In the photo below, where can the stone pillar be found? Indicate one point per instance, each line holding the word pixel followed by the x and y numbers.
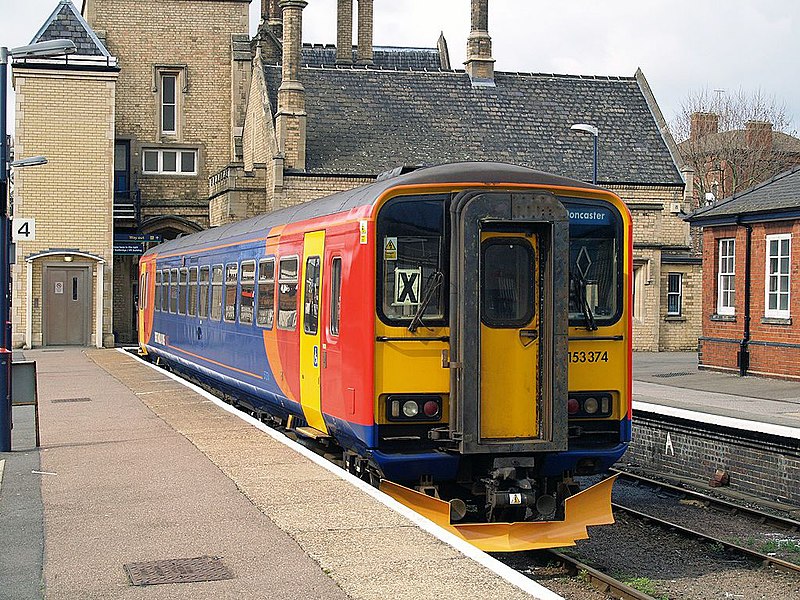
pixel 290 121
pixel 274 19
pixel 344 32
pixel 364 51
pixel 479 63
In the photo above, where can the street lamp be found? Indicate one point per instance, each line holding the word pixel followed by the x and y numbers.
pixel 39 50
pixel 594 131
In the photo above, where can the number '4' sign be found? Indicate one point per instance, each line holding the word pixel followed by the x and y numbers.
pixel 23 230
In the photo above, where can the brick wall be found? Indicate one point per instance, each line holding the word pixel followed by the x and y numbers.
pixel 774 343
pixel 758 464
pixel 67 116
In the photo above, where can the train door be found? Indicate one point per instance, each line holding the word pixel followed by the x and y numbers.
pixel 508 322
pixel 509 335
pixel 310 351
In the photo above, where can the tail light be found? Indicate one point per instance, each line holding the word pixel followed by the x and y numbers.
pixel 418 407
pixel 589 404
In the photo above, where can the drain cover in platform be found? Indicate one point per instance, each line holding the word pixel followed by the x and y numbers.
pixel 56 400
pixel 177 570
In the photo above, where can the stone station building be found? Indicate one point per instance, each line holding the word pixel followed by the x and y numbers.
pixel 206 126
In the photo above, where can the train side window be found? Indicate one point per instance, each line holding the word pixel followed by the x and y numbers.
pixel 157 303
pixel 202 308
pixel 183 291
pixel 231 280
pixel 311 308
pixel 247 292
pixel 216 292
pixel 173 291
pixel 336 294
pixel 266 293
pixel 287 293
pixel 193 292
pixel 165 292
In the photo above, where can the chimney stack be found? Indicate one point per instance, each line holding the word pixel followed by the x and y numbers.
pixel 274 19
pixel 702 124
pixel 479 63
pixel 364 50
pixel 290 121
pixel 344 32
pixel 758 135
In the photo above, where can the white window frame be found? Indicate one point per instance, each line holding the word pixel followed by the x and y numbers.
pixel 777 276
pixel 178 161
pixel 164 104
pixel 726 306
pixel 678 293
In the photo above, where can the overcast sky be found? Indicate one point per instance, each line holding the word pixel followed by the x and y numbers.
pixel 682 46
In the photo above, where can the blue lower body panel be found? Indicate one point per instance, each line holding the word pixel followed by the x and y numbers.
pixel 407 467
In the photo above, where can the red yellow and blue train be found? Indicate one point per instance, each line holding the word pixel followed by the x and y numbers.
pixel 461 332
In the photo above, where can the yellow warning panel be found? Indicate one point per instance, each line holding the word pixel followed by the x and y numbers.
pixel 592 506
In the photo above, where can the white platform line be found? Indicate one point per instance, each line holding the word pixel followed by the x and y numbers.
pixel 733 422
pixel 2 468
pixel 515 578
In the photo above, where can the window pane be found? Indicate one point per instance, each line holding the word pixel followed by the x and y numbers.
pixel 168 89
pixel 311 307
pixel 231 279
pixel 336 294
pixel 247 292
pixel 193 291
pixel 169 158
pixel 151 161
pixel 187 162
pixel 173 291
pixel 183 292
pixel 157 304
pixel 168 119
pixel 287 294
pixel 216 292
pixel 507 284
pixel 203 305
pixel 266 293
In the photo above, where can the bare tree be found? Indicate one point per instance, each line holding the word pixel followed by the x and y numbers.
pixel 733 141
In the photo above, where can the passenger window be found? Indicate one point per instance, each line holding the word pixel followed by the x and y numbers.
pixel 165 292
pixel 266 293
pixel 193 292
pixel 216 292
pixel 202 311
pixel 311 308
pixel 247 292
pixel 336 294
pixel 287 293
pixel 173 291
pixel 507 296
pixel 157 303
pixel 231 279
pixel 183 291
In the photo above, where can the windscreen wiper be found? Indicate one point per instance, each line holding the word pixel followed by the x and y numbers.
pixel 588 314
pixel 434 283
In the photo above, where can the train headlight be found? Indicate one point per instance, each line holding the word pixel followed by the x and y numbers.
pixel 431 408
pixel 410 409
pixel 573 406
pixel 590 405
pixel 595 405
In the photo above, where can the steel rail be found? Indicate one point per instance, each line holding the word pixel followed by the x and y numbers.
pixel 763 558
pixel 732 508
pixel 599 580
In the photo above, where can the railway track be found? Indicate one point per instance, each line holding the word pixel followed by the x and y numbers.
pixel 599 580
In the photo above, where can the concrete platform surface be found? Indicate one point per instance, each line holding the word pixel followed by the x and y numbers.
pixel 135 467
pixel 673 379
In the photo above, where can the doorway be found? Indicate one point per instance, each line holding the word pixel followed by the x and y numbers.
pixel 66 296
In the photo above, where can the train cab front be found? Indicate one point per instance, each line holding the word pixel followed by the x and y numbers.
pixel 477 427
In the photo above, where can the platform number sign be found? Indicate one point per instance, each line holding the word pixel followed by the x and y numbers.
pixel 406 286
pixel 24 230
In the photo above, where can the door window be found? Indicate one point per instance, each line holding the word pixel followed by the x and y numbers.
pixel 507 290
pixel 311 308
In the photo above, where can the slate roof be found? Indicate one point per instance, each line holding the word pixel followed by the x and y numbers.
pixel 387 57
pixel 66 22
pixel 365 121
pixel 737 138
pixel 781 194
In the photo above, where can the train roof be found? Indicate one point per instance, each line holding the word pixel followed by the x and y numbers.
pixel 455 173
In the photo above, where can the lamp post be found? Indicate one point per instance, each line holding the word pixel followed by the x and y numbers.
pixel 41 50
pixel 594 131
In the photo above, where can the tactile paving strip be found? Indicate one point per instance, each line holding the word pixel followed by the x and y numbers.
pixel 674 374
pixel 178 570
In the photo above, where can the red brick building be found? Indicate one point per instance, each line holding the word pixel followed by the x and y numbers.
pixel 751 280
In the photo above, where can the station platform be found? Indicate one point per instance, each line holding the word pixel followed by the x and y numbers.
pixel 135 467
pixel 671 383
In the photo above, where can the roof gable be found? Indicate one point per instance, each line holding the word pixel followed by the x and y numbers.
pixel 67 23
pixel 364 121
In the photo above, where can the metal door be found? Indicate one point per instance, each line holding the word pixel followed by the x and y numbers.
pixel 66 306
pixel 509 336
pixel 310 351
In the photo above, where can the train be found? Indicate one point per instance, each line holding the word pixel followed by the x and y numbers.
pixel 460 333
